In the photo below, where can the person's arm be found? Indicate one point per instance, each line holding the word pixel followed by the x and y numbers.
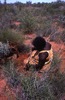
pixel 42 59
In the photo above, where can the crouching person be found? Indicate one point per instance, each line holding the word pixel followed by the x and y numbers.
pixel 41 56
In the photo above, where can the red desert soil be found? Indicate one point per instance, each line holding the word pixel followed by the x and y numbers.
pixel 20 60
pixel 5 90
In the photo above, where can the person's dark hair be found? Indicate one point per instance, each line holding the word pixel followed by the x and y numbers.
pixel 39 43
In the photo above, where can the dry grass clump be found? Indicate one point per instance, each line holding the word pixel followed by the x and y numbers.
pixel 31 87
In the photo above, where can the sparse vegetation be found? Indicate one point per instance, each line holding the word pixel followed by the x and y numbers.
pixel 49 87
pixel 27 22
pixel 12 37
pixel 46 19
pixel 63 36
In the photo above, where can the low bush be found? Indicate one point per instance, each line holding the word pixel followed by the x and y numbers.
pixel 35 88
pixel 11 73
pixel 12 37
pixel 58 84
pixel 27 23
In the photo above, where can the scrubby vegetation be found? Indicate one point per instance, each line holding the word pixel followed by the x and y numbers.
pixel 51 85
pixel 11 36
pixel 45 19
pixel 40 18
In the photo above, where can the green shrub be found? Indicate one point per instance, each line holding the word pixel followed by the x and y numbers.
pixel 12 37
pixel 35 88
pixel 27 23
pixel 55 78
pixel 58 84
pixel 43 26
pixel 11 73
